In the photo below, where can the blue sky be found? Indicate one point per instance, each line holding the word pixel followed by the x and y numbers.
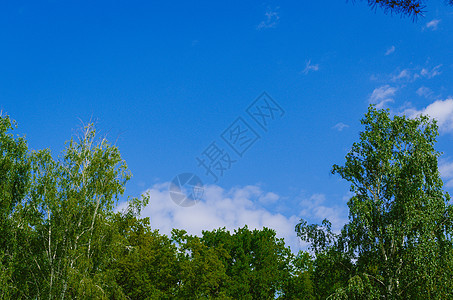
pixel 165 79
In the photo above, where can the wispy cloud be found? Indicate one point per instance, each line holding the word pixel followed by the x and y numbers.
pixel 405 74
pixel 309 67
pixel 390 50
pixel 433 24
pixel 423 91
pixel 271 20
pixel 441 110
pixel 409 75
pixel 382 95
pixel 431 73
pixel 340 126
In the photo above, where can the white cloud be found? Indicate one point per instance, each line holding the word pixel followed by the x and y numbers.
pixel 423 91
pixel 433 24
pixel 340 126
pixel 235 208
pixel 446 171
pixel 390 50
pixel 220 208
pixel 271 21
pixel 382 95
pixel 404 74
pixel 441 110
pixel 314 207
pixel 409 75
pixel 431 73
pixel 268 198
pixel 309 67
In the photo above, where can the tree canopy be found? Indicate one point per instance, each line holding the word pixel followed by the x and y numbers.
pixel 397 244
pixel 62 235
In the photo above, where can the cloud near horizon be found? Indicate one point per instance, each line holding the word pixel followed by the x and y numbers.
pixel 446 171
pixel 236 208
pixel 441 110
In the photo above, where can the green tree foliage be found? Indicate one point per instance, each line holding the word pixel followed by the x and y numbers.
pixel 201 272
pixel 58 234
pixel 62 238
pixel 14 182
pixel 299 285
pixel 220 265
pixel 72 200
pixel 257 263
pixel 397 243
pixel 147 266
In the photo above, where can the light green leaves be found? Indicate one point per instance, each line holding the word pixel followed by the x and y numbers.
pixel 400 219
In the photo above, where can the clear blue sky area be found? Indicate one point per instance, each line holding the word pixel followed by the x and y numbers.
pixel 165 79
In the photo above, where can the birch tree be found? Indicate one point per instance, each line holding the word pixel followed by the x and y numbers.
pixel 14 182
pixel 69 212
pixel 400 220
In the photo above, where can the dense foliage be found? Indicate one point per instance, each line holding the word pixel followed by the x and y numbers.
pixel 61 235
pixel 398 242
